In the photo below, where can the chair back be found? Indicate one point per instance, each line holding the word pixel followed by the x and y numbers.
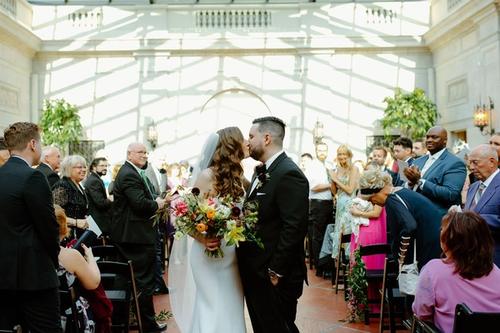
pixel 107 253
pixel 368 250
pixel 117 279
pixel 468 321
pixel 67 299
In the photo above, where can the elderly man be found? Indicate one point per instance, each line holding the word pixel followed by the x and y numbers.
pixel 50 163
pixel 133 230
pixel 4 152
pixel 483 196
pixel 440 176
pixel 29 238
pixel 495 143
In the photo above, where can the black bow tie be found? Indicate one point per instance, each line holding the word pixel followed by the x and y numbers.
pixel 260 169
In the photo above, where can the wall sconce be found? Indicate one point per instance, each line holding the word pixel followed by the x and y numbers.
pixel 483 117
pixel 318 132
pixel 152 135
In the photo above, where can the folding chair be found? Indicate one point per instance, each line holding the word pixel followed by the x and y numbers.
pixel 118 281
pixel 373 275
pixel 341 263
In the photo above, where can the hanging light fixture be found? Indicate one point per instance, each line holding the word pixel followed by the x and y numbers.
pixel 482 117
pixel 152 135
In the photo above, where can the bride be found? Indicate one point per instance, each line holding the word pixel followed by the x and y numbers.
pixel 206 293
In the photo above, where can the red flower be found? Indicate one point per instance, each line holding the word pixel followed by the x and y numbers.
pixel 181 208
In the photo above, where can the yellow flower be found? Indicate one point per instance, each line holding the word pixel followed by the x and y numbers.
pixel 210 213
pixel 234 236
pixel 201 227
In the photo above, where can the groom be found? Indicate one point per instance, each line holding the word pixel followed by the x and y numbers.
pixel 273 277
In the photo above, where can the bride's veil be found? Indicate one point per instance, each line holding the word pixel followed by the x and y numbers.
pixel 180 278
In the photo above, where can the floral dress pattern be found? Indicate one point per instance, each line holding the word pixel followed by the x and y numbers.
pixel 342 216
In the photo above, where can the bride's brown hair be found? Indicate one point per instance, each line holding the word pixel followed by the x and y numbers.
pixel 226 163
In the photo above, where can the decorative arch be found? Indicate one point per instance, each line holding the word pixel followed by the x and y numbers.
pixel 235 91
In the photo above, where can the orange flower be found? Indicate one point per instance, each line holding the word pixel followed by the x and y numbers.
pixel 211 214
pixel 201 227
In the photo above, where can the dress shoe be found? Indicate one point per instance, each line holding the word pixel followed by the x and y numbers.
pixel 160 327
pixel 160 291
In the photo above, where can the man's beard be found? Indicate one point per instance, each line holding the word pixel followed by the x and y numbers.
pixel 256 153
pixel 102 173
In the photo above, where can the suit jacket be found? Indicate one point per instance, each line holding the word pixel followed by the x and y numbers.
pixel 29 232
pixel 489 209
pixel 444 180
pixel 133 208
pixel 99 204
pixel 282 225
pixel 419 218
pixel 52 177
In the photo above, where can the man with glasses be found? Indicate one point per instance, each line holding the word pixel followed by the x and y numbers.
pixel 133 229
pixel 99 204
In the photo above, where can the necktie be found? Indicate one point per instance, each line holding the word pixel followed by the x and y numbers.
pixel 146 181
pixel 479 193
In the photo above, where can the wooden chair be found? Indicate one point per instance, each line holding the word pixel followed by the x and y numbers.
pixel 341 263
pixel 373 275
pixel 69 310
pixel 118 281
pixel 107 253
pixel 392 302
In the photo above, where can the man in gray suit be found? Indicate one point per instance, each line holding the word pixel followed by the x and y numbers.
pixel 483 196
pixel 439 175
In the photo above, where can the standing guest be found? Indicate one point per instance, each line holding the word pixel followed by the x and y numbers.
pixel 133 229
pixel 4 152
pixel 114 173
pixel 344 184
pixel 483 196
pixel 379 156
pixel 70 195
pixel 465 275
pixel 305 161
pixel 419 149
pixel 320 202
pixel 495 143
pixel 29 238
pixel 402 148
pixel 273 278
pixel 439 176
pixel 99 204
pixel 409 214
pixel 50 163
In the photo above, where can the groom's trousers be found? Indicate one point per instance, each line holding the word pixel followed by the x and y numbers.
pixel 272 309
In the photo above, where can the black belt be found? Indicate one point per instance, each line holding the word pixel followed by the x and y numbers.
pixel 320 200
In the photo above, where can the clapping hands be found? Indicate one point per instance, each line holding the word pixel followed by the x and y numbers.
pixel 413 175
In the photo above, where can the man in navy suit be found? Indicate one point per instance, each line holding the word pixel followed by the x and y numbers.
pixel 29 238
pixel 440 175
pixel 483 196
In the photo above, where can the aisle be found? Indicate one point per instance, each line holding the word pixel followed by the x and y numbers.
pixel 319 311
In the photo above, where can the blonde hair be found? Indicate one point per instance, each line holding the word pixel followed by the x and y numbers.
pixel 114 171
pixel 69 162
pixel 374 178
pixel 345 148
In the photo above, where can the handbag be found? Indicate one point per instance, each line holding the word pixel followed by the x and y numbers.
pixel 408 275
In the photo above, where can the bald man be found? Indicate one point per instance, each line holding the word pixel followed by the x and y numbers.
pixel 495 143
pixel 50 163
pixel 483 196
pixel 439 175
pixel 132 228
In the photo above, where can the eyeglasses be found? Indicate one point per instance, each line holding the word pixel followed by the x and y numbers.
pixel 79 167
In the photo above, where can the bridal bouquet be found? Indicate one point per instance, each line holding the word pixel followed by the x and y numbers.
pixel 218 217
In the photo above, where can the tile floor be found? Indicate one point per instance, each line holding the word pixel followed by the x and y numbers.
pixel 319 311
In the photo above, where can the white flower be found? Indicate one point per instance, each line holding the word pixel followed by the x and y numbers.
pixel 178 235
pixel 231 224
pixel 223 212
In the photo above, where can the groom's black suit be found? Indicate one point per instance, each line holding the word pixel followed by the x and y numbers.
pixel 282 227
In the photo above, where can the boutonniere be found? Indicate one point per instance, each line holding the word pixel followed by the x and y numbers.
pixel 262 175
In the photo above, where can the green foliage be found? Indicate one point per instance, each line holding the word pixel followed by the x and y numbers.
pixel 60 123
pixel 412 113
pixel 163 315
pixel 357 300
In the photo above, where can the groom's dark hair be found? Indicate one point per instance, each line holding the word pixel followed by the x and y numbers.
pixel 273 125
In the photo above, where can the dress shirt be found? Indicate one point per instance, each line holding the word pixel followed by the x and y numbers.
pixel 317 174
pixel 430 161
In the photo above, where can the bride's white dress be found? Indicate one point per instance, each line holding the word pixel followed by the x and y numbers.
pixel 218 305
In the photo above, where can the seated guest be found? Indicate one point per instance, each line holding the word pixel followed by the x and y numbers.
pixel 74 266
pixel 409 214
pixel 69 194
pixel 465 275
